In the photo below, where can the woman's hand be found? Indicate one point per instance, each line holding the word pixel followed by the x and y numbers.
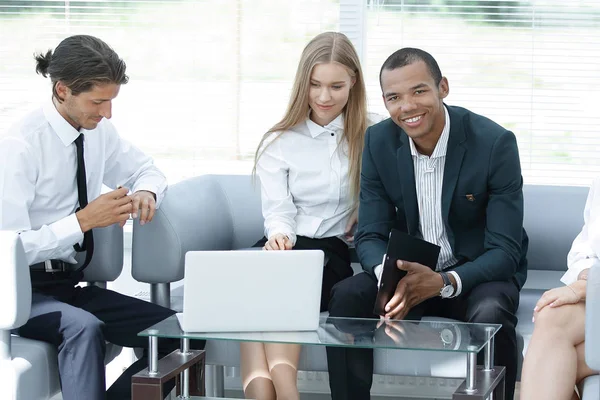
pixel 572 294
pixel 278 241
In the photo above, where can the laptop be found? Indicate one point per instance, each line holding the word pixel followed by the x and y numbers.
pixel 252 290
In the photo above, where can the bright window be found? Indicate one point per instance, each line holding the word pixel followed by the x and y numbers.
pixel 208 78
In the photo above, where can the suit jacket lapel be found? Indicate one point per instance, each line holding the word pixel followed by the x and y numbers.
pixel 454 158
pixel 406 171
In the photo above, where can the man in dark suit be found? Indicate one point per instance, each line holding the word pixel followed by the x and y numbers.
pixel 449 176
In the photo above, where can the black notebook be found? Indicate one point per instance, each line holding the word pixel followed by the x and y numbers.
pixel 402 246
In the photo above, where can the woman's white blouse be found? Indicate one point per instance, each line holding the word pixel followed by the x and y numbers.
pixel 586 247
pixel 304 181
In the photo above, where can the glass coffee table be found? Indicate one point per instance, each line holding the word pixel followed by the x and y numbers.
pixel 481 382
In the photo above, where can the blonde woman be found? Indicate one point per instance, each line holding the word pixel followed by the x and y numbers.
pixel 555 362
pixel 309 169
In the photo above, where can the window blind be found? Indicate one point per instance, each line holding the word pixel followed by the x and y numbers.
pixel 531 66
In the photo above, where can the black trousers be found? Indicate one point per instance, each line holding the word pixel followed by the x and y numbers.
pixel 337 267
pixel 79 321
pixel 351 370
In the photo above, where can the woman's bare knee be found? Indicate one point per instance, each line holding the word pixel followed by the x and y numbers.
pixel 260 388
pixel 567 320
pixel 285 379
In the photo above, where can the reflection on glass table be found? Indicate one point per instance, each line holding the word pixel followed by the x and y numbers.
pixel 356 332
pixel 446 336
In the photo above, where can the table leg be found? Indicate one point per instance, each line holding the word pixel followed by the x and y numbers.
pixel 153 356
pixel 471 372
pixel 185 375
pixel 488 358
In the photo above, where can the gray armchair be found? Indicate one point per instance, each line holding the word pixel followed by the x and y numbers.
pixel 591 385
pixel 29 368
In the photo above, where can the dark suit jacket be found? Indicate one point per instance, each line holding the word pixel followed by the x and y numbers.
pixel 485 230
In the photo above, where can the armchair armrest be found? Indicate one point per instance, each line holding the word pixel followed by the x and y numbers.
pixel 592 319
pixel 107 262
pixel 194 215
pixel 15 285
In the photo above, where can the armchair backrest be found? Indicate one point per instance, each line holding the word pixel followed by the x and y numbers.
pixel 209 212
pixel 553 218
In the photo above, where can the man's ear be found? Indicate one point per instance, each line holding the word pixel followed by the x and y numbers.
pixel 62 91
pixel 444 88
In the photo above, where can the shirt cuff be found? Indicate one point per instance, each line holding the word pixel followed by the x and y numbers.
pixel 67 231
pixel 458 283
pixel 158 190
pixel 282 228
pixel 575 269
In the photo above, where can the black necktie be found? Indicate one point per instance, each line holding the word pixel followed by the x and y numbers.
pixel 88 237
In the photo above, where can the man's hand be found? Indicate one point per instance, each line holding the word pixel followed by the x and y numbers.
pixel 419 284
pixel 278 241
pixel 351 225
pixel 572 294
pixel 110 208
pixel 144 202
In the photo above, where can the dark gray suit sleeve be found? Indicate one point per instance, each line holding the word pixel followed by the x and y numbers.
pixel 504 219
pixel 376 214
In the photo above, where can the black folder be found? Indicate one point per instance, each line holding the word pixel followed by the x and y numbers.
pixel 402 246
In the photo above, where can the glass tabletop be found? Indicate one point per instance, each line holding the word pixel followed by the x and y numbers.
pixel 356 332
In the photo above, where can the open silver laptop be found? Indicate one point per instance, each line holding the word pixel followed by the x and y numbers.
pixel 253 290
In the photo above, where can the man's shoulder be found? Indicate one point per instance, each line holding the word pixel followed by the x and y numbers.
pixel 382 129
pixel 26 131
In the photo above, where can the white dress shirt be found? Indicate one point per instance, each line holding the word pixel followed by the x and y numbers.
pixel 304 180
pixel 586 246
pixel 38 187
pixel 429 177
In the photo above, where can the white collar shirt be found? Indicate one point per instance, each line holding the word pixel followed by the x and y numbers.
pixel 38 188
pixel 429 178
pixel 304 181
pixel 585 251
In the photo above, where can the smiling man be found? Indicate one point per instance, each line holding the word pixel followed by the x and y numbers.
pixel 453 178
pixel 50 194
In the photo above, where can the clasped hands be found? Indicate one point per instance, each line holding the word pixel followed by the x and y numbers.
pixel 116 207
pixel 419 284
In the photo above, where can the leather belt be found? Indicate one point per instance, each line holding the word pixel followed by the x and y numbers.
pixel 51 266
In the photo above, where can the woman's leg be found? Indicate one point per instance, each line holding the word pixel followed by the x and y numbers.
pixel 551 365
pixel 256 378
pixel 283 365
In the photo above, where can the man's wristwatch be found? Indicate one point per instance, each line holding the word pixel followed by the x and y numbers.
pixel 447 290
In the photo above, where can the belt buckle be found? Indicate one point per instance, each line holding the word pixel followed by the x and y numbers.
pixel 50 268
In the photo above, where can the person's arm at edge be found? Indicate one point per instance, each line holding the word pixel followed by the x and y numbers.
pixel 584 251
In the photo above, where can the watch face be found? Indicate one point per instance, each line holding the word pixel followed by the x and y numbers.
pixel 447 291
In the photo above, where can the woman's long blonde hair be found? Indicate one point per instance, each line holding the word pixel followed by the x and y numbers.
pixel 325 48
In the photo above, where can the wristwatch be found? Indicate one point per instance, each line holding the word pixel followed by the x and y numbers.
pixel 447 290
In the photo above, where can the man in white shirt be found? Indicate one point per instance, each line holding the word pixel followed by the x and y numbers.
pixel 453 178
pixel 46 181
